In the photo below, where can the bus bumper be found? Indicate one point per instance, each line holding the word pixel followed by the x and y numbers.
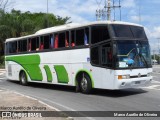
pixel 133 83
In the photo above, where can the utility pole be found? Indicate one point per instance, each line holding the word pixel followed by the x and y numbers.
pixel 109 10
pixel 139 12
pixel 158 50
pixel 105 13
pixel 154 57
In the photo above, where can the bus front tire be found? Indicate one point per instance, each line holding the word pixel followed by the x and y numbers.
pixel 23 78
pixel 85 84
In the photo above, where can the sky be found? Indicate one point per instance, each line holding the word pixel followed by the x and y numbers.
pixel 144 12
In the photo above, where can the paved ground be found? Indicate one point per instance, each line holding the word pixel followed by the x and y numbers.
pixel 16 102
pixel 65 98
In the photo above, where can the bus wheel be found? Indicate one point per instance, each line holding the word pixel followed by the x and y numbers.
pixel 85 84
pixel 23 78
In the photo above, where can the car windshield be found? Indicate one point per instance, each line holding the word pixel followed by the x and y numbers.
pixel 133 54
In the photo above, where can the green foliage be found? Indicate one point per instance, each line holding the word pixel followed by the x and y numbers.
pixel 1 60
pixel 2 65
pixel 156 57
pixel 16 24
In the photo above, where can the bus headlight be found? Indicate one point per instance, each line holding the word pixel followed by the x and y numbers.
pixel 123 77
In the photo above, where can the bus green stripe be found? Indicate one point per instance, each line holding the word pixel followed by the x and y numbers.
pixel 62 74
pixel 30 63
pixel 48 73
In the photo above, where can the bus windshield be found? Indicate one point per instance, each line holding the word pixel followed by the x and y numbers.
pixel 128 31
pixel 133 54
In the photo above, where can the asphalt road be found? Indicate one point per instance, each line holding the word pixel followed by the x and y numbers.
pixel 65 98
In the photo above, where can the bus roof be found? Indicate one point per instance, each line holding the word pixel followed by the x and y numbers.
pixel 69 26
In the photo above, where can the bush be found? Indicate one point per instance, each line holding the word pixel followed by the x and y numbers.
pixel 2 60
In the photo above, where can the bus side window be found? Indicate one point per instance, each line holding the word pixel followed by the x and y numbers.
pixel 51 41
pixel 13 47
pixel 80 37
pixel 61 41
pixel 46 41
pixel 22 46
pixel 99 33
pixel 29 45
pixel 19 46
pixel 72 38
pixel 34 44
pixel 56 41
pixel 41 47
pixel 106 55
pixel 95 59
pixel 86 36
pixel 67 39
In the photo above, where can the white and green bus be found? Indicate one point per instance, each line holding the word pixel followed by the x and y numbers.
pixel 105 55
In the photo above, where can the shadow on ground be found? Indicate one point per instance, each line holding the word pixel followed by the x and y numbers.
pixel 97 92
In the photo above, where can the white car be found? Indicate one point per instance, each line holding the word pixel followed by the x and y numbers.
pixel 154 62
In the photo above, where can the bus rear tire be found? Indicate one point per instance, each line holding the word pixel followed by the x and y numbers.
pixel 85 84
pixel 23 78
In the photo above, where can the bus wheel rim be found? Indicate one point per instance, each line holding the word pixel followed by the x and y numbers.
pixel 84 84
pixel 23 79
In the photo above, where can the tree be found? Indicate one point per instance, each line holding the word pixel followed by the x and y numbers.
pixel 16 23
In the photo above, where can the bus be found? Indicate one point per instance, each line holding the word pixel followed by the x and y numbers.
pixel 110 55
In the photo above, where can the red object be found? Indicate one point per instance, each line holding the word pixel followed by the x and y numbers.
pixel 73 44
pixel 56 42
pixel 66 42
pixel 41 47
pixel 110 55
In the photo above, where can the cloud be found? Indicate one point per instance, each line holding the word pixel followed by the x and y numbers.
pixel 79 10
pixel 135 18
pixel 128 3
pixel 156 32
pixel 153 35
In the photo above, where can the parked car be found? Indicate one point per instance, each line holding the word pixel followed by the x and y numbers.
pixel 154 62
